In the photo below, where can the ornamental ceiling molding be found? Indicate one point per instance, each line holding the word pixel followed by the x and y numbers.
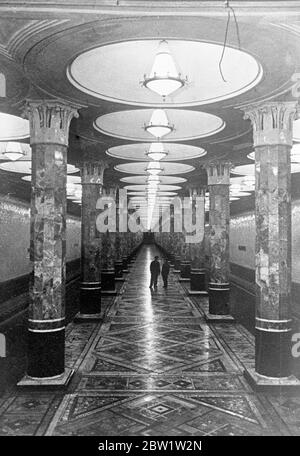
pixel 106 31
pixel 29 31
pixel 151 8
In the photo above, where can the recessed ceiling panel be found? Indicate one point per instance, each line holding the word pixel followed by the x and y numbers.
pixel 116 71
pixel 24 167
pixel 137 188
pixel 71 180
pixel 246 170
pixel 162 180
pixel 143 193
pixel 166 168
pixel 13 128
pixel 139 152
pixel 131 124
pixel 296 130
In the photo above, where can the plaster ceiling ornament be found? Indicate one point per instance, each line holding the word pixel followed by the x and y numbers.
pixel 161 61
pixel 141 151
pixel 166 168
pixel 134 124
pixel 13 128
pixel 24 167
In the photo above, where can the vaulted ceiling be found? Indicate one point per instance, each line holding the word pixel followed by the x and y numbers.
pixel 95 55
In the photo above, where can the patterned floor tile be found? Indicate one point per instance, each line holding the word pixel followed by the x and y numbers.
pixel 155 367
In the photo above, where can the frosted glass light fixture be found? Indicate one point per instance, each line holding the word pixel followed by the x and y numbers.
pixel 157 152
pixel 153 179
pixel 15 150
pixel 164 77
pixel 154 168
pixel 159 125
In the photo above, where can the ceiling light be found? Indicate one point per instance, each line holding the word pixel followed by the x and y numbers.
pixel 156 151
pixel 14 150
pixel 153 184
pixel 153 179
pixel 154 168
pixel 159 125
pixel 164 78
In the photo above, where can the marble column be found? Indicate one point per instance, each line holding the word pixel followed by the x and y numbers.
pixel 90 288
pixel 178 236
pixel 198 275
pixel 118 263
pixel 108 248
pixel 49 135
pixel 218 180
pixel 272 134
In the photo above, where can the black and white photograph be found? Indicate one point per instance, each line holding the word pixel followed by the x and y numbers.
pixel 149 224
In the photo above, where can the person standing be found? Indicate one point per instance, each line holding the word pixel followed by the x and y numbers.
pixel 165 272
pixel 155 271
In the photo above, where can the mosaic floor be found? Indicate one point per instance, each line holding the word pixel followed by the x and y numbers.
pixel 154 367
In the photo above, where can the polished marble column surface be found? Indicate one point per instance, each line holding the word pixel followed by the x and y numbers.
pixel 218 175
pixel 272 131
pixel 49 132
pixel 90 289
pixel 153 367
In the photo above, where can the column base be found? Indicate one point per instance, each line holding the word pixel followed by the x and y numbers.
pixel 198 280
pixel 109 292
pixel 84 318
pixel 261 383
pixel 219 299
pixel 58 382
pixel 197 293
pixel 210 318
pixel 90 299
pixel 177 263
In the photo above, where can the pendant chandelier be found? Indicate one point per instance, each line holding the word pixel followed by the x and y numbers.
pixel 154 168
pixel 156 151
pixel 164 78
pixel 159 125
pixel 15 150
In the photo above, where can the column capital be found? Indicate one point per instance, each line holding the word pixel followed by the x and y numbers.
pixel 49 121
pixel 197 190
pixel 92 172
pixel 272 122
pixel 218 172
pixel 110 191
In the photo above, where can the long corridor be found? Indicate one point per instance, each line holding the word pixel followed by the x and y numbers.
pixel 154 367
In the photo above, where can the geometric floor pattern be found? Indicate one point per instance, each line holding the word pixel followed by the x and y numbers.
pixel 154 367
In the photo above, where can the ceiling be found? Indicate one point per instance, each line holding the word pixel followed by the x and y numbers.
pixel 95 56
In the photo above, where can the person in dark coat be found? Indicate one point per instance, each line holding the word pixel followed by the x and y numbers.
pixel 155 271
pixel 165 272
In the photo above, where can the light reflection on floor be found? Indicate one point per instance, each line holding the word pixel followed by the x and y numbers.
pixel 154 368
